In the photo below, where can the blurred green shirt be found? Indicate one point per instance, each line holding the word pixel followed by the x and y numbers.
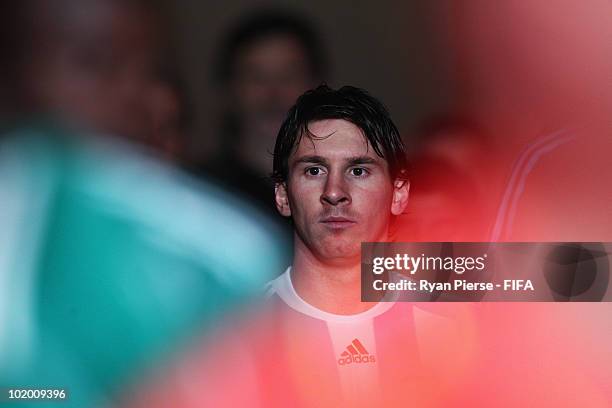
pixel 109 259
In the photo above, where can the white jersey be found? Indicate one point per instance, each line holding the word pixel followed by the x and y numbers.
pixel 292 354
pixel 371 352
pixel 352 338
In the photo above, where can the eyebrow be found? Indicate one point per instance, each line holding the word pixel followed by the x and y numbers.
pixel 361 160
pixel 351 161
pixel 311 160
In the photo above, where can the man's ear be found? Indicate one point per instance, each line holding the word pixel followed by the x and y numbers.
pixel 401 189
pixel 282 199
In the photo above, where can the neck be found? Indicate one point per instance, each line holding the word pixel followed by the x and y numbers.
pixel 333 288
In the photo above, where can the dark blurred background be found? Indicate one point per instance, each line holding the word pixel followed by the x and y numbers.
pixel 389 48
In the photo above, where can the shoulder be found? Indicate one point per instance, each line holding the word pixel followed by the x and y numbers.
pixel 278 286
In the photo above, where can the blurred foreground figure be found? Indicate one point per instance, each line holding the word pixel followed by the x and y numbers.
pixel 109 259
pixel 339 167
pixel 544 93
pixel 539 78
pixel 89 63
pixel 96 67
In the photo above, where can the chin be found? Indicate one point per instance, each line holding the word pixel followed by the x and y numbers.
pixel 342 253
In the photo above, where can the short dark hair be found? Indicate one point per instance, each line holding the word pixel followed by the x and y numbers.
pixel 348 103
pixel 268 23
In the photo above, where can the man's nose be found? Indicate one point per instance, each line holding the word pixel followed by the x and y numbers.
pixel 335 191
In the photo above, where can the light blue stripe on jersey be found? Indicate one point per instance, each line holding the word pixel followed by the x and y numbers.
pixel 516 183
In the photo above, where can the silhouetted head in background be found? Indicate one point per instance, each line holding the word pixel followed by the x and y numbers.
pixel 445 204
pixel 267 61
pixel 171 115
pixel 456 139
pixel 448 175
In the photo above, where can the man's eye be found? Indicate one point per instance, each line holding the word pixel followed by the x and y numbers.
pixel 313 171
pixel 358 171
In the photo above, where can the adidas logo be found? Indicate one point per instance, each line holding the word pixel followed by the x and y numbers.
pixel 355 353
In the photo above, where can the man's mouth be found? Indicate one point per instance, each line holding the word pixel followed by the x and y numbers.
pixel 335 222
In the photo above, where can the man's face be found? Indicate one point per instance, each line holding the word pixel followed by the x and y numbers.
pixel 339 192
